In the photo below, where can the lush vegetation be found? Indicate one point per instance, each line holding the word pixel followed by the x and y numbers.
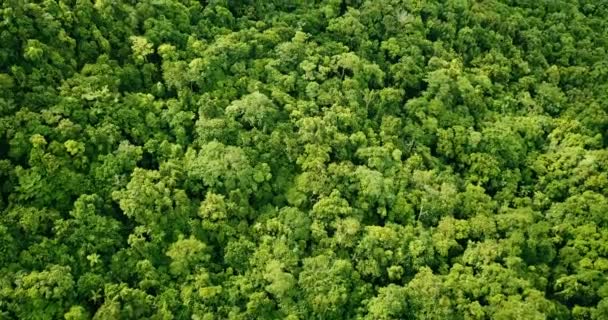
pixel 334 159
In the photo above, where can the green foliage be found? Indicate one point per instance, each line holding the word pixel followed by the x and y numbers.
pixel 333 159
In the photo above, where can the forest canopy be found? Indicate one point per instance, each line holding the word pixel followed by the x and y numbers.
pixel 304 159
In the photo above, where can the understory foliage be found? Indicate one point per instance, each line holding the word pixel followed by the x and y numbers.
pixel 304 159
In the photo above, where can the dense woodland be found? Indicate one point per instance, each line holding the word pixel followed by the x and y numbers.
pixel 304 159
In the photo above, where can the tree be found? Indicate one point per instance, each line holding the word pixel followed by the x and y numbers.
pixel 326 159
